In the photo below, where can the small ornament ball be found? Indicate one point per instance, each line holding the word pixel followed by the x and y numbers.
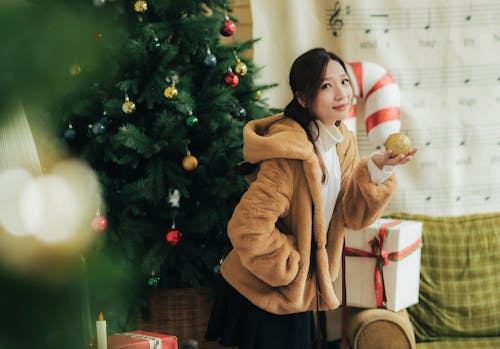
pixel 210 60
pixel 153 280
pixel 99 3
pixel 128 107
pixel 70 134
pixel 173 236
pixel 75 69
pixel 189 163
pixel 241 112
pixel 99 224
pixel 100 127
pixel 141 6
pixel 258 95
pixel 241 68
pixel 399 143
pixel 191 121
pixel 171 91
pixel 231 79
pixel 228 27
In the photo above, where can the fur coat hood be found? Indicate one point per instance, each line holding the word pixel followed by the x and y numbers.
pixel 284 258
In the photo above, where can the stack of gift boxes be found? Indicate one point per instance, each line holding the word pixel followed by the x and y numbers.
pixel 133 339
pixel 142 340
pixel 382 267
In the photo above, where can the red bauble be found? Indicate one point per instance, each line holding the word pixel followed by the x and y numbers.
pixel 99 224
pixel 173 237
pixel 231 79
pixel 228 28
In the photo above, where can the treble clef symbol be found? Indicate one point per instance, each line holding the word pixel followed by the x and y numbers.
pixel 336 24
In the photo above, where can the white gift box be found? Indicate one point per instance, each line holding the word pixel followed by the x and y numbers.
pixel 401 276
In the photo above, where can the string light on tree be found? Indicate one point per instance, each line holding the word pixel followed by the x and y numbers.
pixel 128 107
pixel 207 11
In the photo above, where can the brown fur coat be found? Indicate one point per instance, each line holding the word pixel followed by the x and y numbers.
pixel 284 259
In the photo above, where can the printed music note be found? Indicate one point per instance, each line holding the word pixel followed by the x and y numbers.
pixel 379 21
pixel 487 197
pixel 462 139
pixel 467 74
pixel 335 23
pixel 468 17
pixel 429 20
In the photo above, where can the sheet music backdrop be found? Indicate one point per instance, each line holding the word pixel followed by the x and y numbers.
pixel 444 55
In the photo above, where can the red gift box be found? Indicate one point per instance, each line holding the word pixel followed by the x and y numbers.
pixel 142 340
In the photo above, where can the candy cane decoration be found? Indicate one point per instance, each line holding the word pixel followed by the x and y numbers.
pixel 380 93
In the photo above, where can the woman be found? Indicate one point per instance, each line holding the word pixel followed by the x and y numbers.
pixel 287 231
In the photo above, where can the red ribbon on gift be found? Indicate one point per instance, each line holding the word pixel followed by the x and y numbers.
pixel 382 256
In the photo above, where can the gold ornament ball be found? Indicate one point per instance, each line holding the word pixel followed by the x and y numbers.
pixel 171 92
pixel 141 6
pixel 189 163
pixel 241 68
pixel 128 107
pixel 258 95
pixel 399 143
pixel 75 69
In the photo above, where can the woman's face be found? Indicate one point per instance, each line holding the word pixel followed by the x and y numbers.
pixel 333 100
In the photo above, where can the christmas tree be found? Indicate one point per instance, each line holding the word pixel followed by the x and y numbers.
pixel 161 123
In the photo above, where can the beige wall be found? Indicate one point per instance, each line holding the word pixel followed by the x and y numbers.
pixel 243 13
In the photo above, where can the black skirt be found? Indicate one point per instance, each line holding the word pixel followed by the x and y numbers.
pixel 236 322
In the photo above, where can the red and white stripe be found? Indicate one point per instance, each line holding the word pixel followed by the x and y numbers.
pixel 382 100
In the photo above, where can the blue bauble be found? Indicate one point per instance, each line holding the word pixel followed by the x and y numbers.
pixel 70 134
pixel 241 112
pixel 100 127
pixel 210 60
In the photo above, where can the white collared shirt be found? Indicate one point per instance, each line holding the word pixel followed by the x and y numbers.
pixel 326 144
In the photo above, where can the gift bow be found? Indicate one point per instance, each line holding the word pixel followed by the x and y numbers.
pixel 382 257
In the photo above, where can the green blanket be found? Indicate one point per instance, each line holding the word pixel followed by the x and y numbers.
pixel 459 279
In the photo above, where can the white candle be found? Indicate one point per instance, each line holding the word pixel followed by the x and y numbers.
pixel 102 337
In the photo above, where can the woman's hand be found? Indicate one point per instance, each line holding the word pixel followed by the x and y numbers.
pixel 383 158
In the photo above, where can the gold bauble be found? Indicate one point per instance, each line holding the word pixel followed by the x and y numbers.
pixel 241 68
pixel 258 95
pixel 171 91
pixel 128 107
pixel 189 163
pixel 75 69
pixel 141 6
pixel 399 143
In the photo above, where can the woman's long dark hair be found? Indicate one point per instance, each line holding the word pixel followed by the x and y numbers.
pixel 306 77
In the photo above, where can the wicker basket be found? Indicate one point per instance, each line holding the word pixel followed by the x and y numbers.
pixel 182 312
